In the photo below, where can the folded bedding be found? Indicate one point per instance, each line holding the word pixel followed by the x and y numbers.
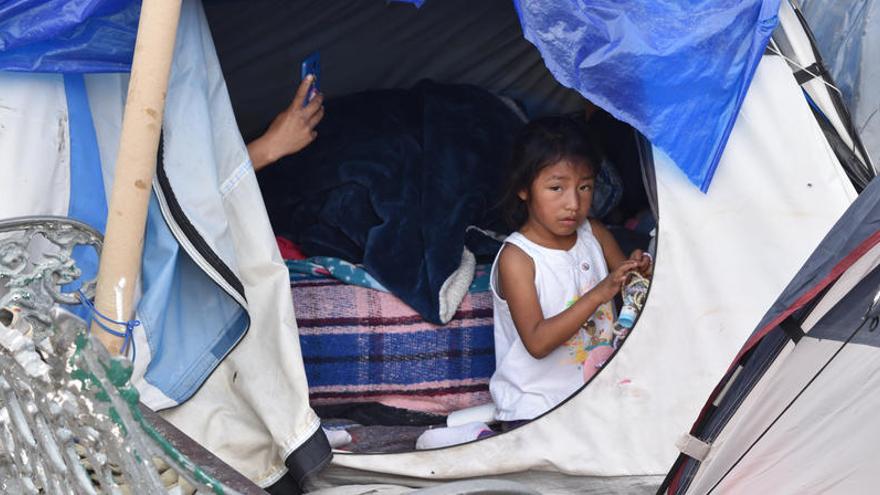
pixel 392 182
pixel 319 267
pixel 324 266
pixel 362 345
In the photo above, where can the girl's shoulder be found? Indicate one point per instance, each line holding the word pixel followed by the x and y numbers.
pixel 513 265
pixel 517 252
pixel 522 242
pixel 513 254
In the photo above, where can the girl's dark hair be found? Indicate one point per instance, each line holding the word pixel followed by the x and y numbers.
pixel 541 143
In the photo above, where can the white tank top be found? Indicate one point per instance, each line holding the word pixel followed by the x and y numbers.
pixel 523 387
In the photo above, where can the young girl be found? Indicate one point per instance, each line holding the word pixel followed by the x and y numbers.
pixel 554 279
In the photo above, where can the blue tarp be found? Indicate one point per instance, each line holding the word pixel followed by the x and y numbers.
pixel 675 70
pixel 68 35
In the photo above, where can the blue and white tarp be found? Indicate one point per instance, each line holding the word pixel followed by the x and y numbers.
pixel 676 71
pixel 68 36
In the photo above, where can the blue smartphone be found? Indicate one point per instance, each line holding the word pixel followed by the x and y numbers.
pixel 311 65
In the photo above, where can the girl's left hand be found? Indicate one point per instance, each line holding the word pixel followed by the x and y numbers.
pixel 643 260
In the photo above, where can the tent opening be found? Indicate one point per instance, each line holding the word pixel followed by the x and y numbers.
pixel 388 221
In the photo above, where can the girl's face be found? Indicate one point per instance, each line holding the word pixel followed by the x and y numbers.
pixel 558 202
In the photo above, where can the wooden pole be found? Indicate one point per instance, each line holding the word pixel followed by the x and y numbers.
pixel 120 262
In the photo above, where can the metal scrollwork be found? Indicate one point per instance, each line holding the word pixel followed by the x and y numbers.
pixel 36 260
pixel 70 420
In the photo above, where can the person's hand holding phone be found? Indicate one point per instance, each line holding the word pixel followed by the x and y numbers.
pixel 311 67
pixel 290 131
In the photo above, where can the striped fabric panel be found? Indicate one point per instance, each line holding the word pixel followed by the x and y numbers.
pixel 362 345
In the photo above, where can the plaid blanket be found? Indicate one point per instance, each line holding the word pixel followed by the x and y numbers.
pixel 364 345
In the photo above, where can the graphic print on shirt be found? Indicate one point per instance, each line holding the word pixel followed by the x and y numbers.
pixel 577 349
pixel 599 348
pixel 590 347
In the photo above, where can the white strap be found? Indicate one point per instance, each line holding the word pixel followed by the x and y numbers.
pixel 693 447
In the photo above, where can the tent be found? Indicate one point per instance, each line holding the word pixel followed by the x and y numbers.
pixel 813 342
pixel 803 383
pixel 218 334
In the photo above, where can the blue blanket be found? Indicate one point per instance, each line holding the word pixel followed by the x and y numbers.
pixel 393 180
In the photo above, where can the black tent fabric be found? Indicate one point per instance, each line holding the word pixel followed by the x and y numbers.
pixel 376 45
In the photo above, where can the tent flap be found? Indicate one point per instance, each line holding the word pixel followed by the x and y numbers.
pixel 676 71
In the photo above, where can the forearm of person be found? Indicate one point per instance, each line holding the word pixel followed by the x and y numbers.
pixel 548 334
pixel 260 153
pixel 291 130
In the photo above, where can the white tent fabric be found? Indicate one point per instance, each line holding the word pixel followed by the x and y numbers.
pixel 265 364
pixel 38 183
pixel 846 398
pixel 253 411
pixel 721 260
pixel 837 404
pixel 840 402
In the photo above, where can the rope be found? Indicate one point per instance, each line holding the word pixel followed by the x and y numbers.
pixel 848 126
pixel 128 335
pixel 801 67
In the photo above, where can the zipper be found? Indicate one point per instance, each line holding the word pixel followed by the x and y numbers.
pixel 189 238
pixel 197 252
pixel 194 251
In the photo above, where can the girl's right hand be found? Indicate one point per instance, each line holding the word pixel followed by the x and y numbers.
pixel 611 285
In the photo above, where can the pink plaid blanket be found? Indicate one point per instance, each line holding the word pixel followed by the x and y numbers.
pixel 364 345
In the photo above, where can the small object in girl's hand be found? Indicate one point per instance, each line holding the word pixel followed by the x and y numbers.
pixel 635 288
